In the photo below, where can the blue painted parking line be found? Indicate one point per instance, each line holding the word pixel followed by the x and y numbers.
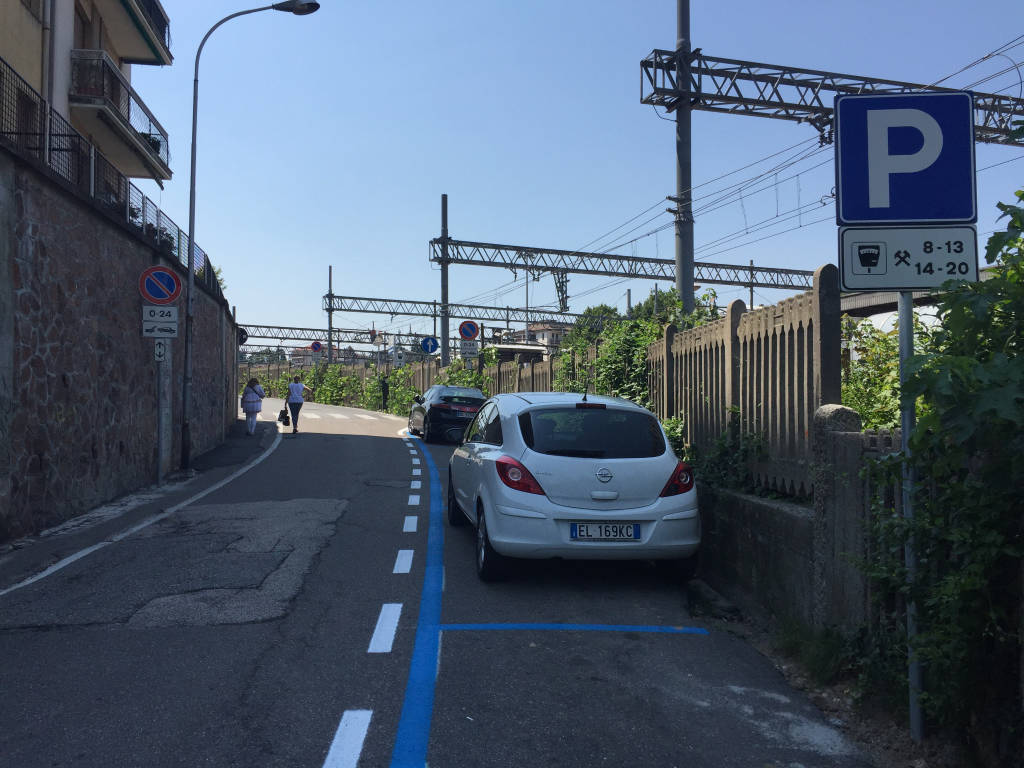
pixel 413 734
pixel 579 628
pixel 418 707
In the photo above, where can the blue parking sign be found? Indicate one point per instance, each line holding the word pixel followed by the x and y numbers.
pixel 905 158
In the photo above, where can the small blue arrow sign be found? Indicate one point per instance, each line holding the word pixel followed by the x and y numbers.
pixel 429 344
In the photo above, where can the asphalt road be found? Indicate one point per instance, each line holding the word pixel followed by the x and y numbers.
pixel 316 610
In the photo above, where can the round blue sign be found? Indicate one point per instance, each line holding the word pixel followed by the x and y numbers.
pixel 429 344
pixel 316 346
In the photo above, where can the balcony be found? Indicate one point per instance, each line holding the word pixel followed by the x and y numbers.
pixel 139 30
pixel 104 106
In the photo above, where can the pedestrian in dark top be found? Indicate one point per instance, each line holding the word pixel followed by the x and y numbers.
pixel 384 392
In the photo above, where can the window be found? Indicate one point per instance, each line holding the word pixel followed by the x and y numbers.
pixel 475 433
pixel 492 427
pixel 599 433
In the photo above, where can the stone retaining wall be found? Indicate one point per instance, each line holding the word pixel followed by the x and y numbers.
pixel 78 383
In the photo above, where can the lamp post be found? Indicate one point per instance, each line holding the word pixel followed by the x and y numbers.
pixel 298 8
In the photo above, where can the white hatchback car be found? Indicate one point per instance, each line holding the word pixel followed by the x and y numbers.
pixel 559 474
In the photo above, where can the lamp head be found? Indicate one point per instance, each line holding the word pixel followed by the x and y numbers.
pixel 298 7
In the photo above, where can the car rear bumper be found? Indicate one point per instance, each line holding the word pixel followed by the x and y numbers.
pixel 667 531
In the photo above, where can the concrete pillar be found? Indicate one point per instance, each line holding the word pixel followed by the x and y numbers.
pixel 669 397
pixel 828 336
pixel 840 507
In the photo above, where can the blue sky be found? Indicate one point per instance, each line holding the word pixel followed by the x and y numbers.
pixel 329 139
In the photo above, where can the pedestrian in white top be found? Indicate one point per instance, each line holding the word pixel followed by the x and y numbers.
pixel 252 404
pixel 295 392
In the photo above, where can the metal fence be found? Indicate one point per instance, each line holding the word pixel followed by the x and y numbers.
pixel 36 132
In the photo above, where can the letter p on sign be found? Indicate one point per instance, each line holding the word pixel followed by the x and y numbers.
pixel 882 164
pixel 905 158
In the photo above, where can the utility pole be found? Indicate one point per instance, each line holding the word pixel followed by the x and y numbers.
pixel 684 182
pixel 751 305
pixel 629 302
pixel 445 352
pixel 330 315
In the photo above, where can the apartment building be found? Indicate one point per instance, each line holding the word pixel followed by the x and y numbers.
pixel 66 93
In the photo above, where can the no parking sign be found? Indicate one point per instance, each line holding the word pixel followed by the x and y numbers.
pixel 159 285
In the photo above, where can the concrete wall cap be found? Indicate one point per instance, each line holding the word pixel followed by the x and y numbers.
pixel 836 418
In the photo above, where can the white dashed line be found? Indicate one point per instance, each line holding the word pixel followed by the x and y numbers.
pixel 415 461
pixel 348 739
pixel 311 415
pixel 364 416
pixel 417 472
pixel 403 562
pixel 339 416
pixel 412 451
pixel 410 524
pixel 387 624
pixel 415 485
pixel 414 499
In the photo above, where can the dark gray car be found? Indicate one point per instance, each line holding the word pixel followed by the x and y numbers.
pixel 443 412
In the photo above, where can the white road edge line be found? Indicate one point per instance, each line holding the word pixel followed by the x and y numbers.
pixel 411 521
pixel 417 472
pixel 414 485
pixel 415 461
pixel 60 564
pixel 414 499
pixel 387 625
pixel 403 562
pixel 347 745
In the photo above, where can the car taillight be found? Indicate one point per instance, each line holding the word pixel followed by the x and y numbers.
pixel 441 406
pixel 680 482
pixel 515 475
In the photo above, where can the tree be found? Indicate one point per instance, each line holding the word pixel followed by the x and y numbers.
pixel 588 327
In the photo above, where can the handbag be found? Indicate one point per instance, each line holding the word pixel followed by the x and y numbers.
pixel 283 416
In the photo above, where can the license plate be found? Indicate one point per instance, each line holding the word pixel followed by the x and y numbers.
pixel 604 531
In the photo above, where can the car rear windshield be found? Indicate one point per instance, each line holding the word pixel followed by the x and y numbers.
pixel 598 433
pixel 462 396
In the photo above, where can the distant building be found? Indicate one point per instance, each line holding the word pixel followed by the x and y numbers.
pixel 548 335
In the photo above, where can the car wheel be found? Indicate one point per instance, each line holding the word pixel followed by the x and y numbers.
pixel 455 516
pixel 425 431
pixel 682 570
pixel 490 566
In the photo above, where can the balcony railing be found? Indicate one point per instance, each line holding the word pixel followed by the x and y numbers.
pixel 95 79
pixel 43 136
pixel 157 20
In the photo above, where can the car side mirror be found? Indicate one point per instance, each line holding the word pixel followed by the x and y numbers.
pixel 419 399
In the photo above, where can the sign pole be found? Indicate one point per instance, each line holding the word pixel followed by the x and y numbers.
pixel 907 420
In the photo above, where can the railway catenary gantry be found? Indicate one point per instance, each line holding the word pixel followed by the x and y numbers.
pixel 562 263
pixel 800 95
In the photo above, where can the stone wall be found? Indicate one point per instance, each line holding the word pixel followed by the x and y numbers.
pixel 792 560
pixel 78 382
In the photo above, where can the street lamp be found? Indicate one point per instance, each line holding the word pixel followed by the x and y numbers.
pixel 299 8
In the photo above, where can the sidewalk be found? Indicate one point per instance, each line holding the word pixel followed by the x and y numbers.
pixel 23 558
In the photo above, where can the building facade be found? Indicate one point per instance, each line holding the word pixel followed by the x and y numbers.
pixel 74 58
